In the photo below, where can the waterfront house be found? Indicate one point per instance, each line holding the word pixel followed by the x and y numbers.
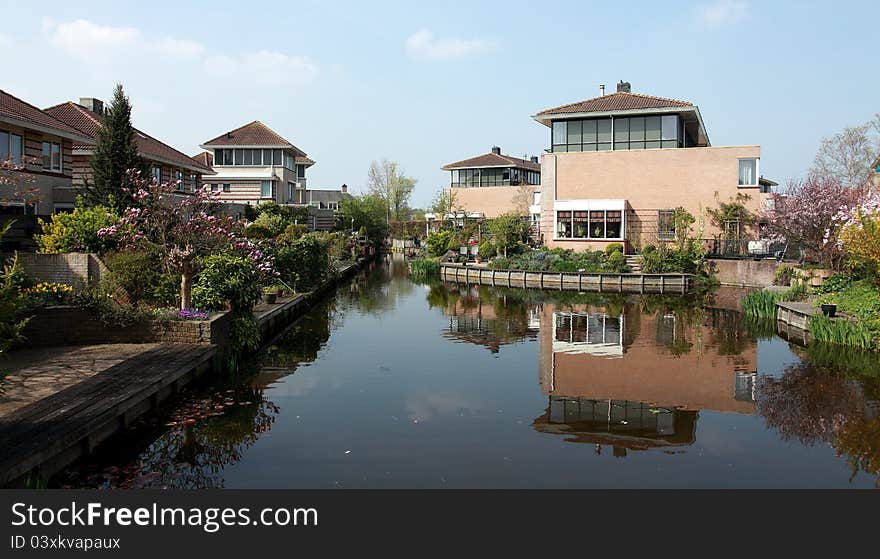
pixel 323 206
pixel 619 164
pixel 254 164
pixel 40 148
pixel 165 162
pixel 492 184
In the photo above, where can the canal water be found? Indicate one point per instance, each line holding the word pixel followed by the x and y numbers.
pixel 394 384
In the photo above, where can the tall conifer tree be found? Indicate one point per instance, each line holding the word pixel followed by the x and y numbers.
pixel 115 153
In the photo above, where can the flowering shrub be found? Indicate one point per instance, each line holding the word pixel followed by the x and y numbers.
pixel 49 293
pixel 181 229
pixel 859 228
pixel 77 231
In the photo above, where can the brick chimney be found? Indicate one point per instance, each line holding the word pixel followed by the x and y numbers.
pixel 496 150
pixel 535 159
pixel 92 104
pixel 624 87
pixel 344 188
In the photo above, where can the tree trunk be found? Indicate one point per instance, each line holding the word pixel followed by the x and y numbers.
pixel 186 286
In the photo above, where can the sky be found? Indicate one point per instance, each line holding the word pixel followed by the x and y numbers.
pixel 429 83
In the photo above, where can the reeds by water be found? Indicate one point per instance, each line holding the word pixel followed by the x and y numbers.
pixel 424 268
pixel 840 332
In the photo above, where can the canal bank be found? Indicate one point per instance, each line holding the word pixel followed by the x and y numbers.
pixel 398 384
pixel 42 431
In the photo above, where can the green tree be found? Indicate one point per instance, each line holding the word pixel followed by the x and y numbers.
pixel 366 211
pixel 386 181
pixel 116 153
pixel 508 230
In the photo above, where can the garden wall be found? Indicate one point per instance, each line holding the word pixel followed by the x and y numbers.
pixel 744 273
pixel 78 269
pixel 54 326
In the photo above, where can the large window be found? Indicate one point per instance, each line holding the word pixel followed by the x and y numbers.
pixel 177 177
pixel 666 225
pixel 748 172
pixel 253 157
pixel 266 189
pixel 11 148
pixel 156 172
pixel 496 176
pixel 639 132
pixel 589 224
pixel 51 156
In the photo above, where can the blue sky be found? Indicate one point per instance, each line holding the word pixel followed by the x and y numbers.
pixel 429 83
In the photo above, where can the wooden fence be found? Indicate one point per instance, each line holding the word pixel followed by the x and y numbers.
pixel 569 281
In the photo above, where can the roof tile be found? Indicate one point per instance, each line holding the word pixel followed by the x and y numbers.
pixel 620 101
pixel 493 160
pixel 13 107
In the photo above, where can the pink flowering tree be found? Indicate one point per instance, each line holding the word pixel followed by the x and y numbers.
pixel 859 230
pixel 805 215
pixel 16 184
pixel 183 227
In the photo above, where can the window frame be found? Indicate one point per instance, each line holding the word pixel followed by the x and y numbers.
pixel 757 177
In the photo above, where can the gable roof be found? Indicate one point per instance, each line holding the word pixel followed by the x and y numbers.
pixel 205 158
pixel 253 134
pixel 16 111
pixel 303 160
pixel 89 123
pixel 493 160
pixel 620 101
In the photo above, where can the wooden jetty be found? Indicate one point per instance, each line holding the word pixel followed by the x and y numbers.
pixel 50 433
pixel 569 281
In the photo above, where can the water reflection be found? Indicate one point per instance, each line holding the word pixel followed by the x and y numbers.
pixel 492 387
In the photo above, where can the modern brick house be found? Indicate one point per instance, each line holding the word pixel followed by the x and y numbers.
pixel 254 164
pixel 43 145
pixel 489 184
pixel 166 163
pixel 619 164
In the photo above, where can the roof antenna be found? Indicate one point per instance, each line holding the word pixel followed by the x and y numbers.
pixel 602 89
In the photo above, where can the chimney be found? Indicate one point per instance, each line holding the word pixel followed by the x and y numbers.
pixel 92 104
pixel 602 89
pixel 534 159
pixel 344 188
pixel 496 150
pixel 623 87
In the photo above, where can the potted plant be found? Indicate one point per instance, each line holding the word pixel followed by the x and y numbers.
pixel 829 310
pixel 270 295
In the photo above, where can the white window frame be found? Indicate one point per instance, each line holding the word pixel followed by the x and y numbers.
pixel 588 206
pixel 757 161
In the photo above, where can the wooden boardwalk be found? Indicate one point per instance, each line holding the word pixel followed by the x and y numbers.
pixel 569 281
pixel 50 433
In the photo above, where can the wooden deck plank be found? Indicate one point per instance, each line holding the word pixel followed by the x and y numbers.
pixel 54 424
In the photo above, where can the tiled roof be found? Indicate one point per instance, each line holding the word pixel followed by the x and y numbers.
pixel 89 123
pixel 14 108
pixel 302 160
pixel 620 101
pixel 205 158
pixel 254 134
pixel 493 160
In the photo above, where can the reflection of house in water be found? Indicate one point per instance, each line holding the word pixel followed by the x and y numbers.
pixel 620 423
pixel 484 318
pixel 638 380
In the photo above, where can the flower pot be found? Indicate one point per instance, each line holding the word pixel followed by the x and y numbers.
pixel 829 310
pixel 270 298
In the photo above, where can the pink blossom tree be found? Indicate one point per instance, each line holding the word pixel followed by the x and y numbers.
pixel 183 227
pixel 16 184
pixel 805 215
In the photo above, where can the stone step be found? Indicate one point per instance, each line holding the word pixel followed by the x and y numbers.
pixel 634 261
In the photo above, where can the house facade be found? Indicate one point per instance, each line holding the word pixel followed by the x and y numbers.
pixel 39 168
pixel 254 164
pixel 619 164
pixel 166 163
pixel 492 184
pixel 874 175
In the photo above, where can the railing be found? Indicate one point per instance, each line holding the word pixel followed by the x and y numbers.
pixel 569 281
pixel 749 248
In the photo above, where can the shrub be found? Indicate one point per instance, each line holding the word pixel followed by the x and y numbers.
pixel 12 306
pixel 303 263
pixel 76 231
pixel 256 231
pixel 293 232
pixel 486 249
pixel 438 243
pixel 227 279
pixel 613 247
pixel 274 223
pixel 617 262
pixel 837 282
pixel 648 249
pixel 859 299
pixel 138 273
pixel 783 275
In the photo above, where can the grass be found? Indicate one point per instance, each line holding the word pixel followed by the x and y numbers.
pixel 841 332
pixel 424 268
pixel 762 304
